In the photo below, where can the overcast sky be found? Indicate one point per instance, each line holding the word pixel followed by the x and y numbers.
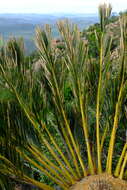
pixel 56 6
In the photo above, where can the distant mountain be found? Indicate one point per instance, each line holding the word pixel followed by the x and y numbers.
pixel 23 25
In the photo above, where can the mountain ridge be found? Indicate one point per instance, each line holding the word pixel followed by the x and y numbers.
pixel 23 25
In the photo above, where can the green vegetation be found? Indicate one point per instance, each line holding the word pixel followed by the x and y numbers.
pixel 92 34
pixel 63 118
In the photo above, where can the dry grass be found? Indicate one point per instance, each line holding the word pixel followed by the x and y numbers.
pixel 100 182
pixel 18 187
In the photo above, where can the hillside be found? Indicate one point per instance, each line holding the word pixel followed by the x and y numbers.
pixel 23 25
pixel 93 32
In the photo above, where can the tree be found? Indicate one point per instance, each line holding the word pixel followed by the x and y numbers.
pixel 97 103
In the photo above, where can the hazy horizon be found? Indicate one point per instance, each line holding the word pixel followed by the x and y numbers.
pixel 52 13
pixel 57 7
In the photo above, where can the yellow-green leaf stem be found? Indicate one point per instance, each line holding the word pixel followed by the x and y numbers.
pixel 50 168
pixel 51 164
pixel 123 167
pixel 85 128
pixel 76 148
pixel 61 154
pixel 56 157
pixel 98 109
pixel 69 132
pixel 113 134
pixel 37 183
pixel 118 167
pixel 14 173
pixel 44 170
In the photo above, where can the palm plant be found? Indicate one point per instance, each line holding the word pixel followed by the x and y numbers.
pixel 76 134
pixel 11 115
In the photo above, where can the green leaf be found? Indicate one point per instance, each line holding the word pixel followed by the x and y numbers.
pixel 6 95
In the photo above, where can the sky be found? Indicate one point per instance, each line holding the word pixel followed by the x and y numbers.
pixel 57 6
